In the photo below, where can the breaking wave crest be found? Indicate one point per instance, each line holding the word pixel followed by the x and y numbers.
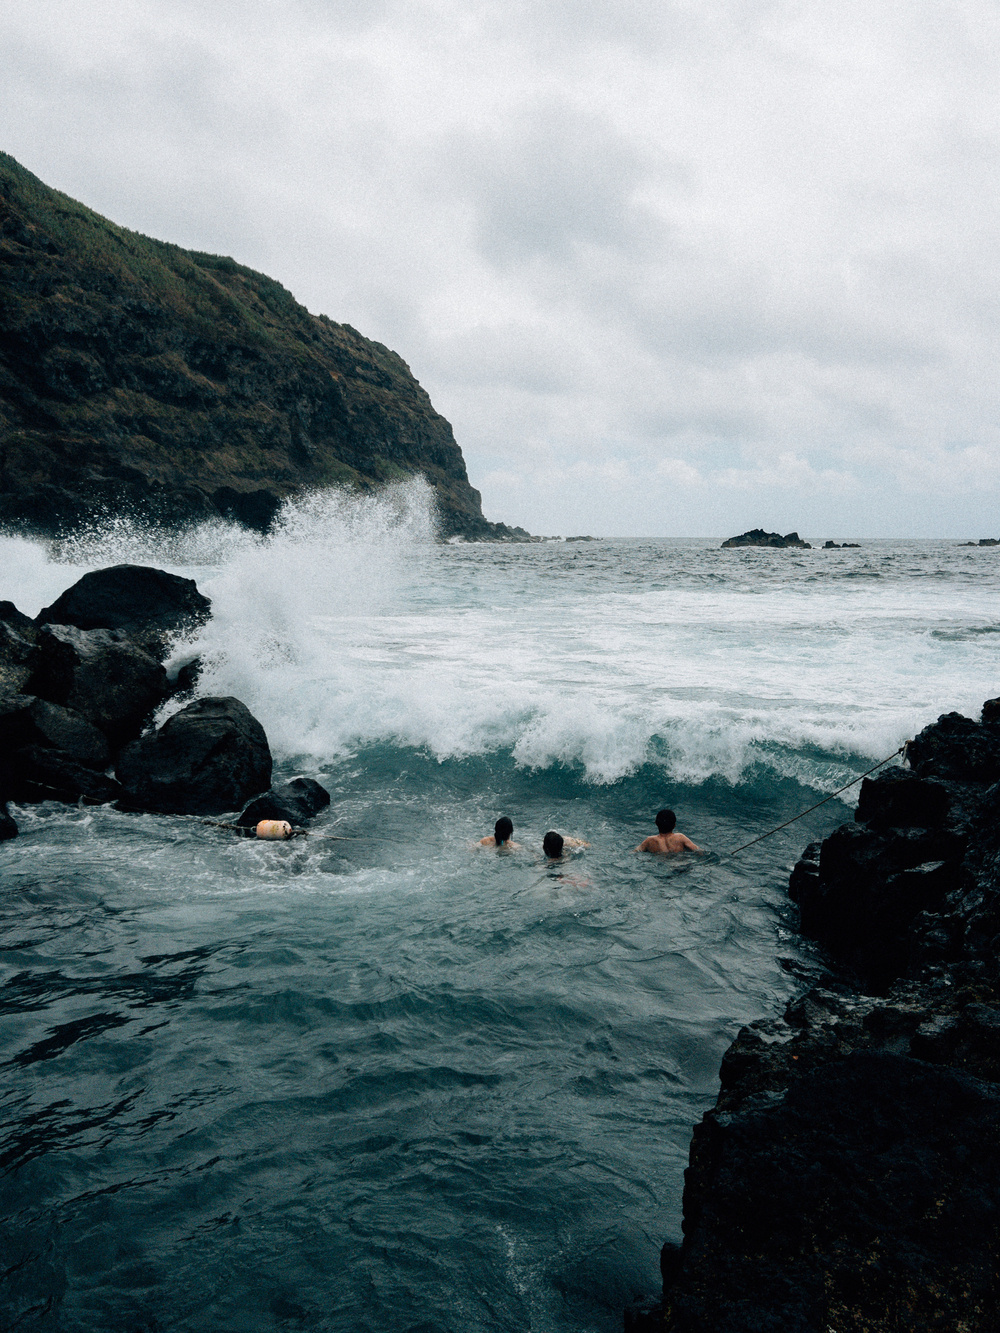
pixel 349 626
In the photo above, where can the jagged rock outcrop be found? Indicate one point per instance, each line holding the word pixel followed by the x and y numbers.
pixel 100 674
pixel 209 758
pixel 18 635
pixel 139 377
pixel 758 537
pixel 849 1173
pixel 151 606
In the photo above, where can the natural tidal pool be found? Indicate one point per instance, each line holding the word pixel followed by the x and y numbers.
pixel 390 1080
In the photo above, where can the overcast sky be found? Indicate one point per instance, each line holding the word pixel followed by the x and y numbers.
pixel 669 267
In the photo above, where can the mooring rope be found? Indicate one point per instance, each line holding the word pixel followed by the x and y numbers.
pixel 852 782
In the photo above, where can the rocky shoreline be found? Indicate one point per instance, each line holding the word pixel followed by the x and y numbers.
pixel 848 1178
pixel 79 685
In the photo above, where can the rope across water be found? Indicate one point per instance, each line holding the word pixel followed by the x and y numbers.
pixel 881 763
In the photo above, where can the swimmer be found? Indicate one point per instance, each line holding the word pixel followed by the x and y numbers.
pixel 503 835
pixel 553 844
pixel 667 840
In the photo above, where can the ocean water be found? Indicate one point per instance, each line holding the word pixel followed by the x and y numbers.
pixel 382 1078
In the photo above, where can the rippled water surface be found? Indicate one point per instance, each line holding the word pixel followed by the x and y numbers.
pixel 392 1080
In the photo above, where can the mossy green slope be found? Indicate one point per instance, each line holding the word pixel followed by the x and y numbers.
pixel 137 376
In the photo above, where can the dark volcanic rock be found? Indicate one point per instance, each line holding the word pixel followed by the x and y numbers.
pixel 41 773
pixel 26 720
pixel 296 801
pixel 847 1177
pixel 100 674
pixel 206 759
pixel 141 378
pixel 869 888
pixel 17 648
pixel 149 605
pixel 758 537
pixel 956 747
pixel 863 1198
pixel 901 799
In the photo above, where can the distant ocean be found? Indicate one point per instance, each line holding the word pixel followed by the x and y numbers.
pixel 396 1081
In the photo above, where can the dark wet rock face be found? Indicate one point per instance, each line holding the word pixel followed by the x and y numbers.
pixel 868 1186
pixel 100 674
pixel 150 605
pixel 144 379
pixel 207 759
pixel 26 720
pixel 758 537
pixel 44 773
pixel 17 647
pixel 296 801
pixel 956 747
pixel 849 1173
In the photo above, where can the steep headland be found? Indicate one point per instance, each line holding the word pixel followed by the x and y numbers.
pixel 848 1176
pixel 139 377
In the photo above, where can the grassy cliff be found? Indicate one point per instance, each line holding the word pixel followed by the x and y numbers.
pixel 137 376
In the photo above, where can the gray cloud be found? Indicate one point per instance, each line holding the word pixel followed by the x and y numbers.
pixel 744 255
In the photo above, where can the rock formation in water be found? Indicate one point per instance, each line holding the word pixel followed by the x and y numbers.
pixel 79 682
pixel 142 378
pixel 849 1174
pixel 758 537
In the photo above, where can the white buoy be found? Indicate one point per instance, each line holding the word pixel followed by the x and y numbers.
pixel 274 829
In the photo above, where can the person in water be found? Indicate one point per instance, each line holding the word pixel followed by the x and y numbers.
pixel 667 840
pixel 503 835
pixel 553 844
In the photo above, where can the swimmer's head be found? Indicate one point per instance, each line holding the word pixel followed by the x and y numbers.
pixel 552 844
pixel 503 829
pixel 666 821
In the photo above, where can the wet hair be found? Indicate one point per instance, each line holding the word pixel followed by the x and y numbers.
pixel 503 829
pixel 552 843
pixel 666 821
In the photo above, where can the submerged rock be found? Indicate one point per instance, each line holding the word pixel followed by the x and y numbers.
pixel 150 605
pixel 100 674
pixel 296 801
pixel 758 537
pixel 207 759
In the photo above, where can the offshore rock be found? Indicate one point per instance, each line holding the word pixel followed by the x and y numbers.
pixel 17 647
pixel 100 674
pixel 207 759
pixel 296 801
pixel 144 379
pixel 151 606
pixel 758 537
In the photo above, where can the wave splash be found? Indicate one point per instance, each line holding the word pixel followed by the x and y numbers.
pixel 348 626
